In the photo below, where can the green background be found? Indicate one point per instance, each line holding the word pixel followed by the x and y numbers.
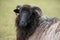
pixel 7 16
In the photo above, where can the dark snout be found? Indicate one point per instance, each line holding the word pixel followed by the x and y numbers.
pixel 23 19
pixel 22 23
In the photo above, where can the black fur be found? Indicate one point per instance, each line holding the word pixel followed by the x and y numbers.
pixel 23 33
pixel 35 21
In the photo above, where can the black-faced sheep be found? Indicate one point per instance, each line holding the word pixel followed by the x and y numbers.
pixel 31 25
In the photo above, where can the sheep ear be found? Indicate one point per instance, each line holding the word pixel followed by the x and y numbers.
pixel 16 10
pixel 18 7
pixel 38 10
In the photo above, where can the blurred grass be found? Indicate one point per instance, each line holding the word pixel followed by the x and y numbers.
pixel 7 16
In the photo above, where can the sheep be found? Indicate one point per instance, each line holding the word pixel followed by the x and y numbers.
pixel 32 25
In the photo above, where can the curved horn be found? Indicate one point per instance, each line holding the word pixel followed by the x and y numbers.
pixel 38 10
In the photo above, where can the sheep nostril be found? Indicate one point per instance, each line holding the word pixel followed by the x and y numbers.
pixel 22 23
